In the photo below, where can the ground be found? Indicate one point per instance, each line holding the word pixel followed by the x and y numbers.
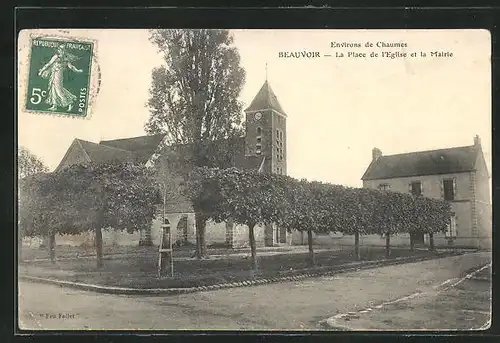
pixel 139 269
pixel 465 304
pixel 281 306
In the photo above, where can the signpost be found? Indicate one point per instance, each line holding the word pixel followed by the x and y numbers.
pixel 165 251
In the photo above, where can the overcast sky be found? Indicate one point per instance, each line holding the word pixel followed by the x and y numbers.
pixel 338 109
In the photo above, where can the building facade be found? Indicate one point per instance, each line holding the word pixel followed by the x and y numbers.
pixel 457 175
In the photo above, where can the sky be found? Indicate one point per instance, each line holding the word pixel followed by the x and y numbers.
pixel 338 109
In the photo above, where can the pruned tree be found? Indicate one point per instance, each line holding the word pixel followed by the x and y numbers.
pixel 91 198
pixel 245 197
pixel 194 99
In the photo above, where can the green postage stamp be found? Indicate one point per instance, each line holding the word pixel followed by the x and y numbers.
pixel 59 79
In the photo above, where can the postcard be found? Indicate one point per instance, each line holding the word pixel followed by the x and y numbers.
pixel 271 180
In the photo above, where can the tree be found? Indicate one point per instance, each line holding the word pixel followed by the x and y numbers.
pixel 245 197
pixel 307 210
pixel 29 164
pixel 91 198
pixel 194 99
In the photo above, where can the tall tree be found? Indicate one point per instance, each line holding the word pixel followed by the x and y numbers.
pixel 194 99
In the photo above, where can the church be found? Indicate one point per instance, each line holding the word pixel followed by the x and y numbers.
pixel 263 147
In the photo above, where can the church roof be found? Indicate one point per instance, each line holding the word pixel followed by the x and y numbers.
pixel 102 154
pixel 142 147
pixel 433 162
pixel 265 99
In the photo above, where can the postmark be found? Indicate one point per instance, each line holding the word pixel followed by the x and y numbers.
pixel 61 77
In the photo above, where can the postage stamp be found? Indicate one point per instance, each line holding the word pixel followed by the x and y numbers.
pixel 59 79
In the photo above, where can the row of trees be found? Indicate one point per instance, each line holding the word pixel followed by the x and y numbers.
pixel 87 198
pixel 250 198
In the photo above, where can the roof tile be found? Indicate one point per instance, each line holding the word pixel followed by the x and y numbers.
pixel 442 161
pixel 265 99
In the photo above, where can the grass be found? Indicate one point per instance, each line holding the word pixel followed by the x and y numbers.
pixel 140 269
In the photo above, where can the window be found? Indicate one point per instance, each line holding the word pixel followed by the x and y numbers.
pixel 384 187
pixel 258 149
pixel 416 188
pixel 451 232
pixel 259 131
pixel 259 140
pixel 449 189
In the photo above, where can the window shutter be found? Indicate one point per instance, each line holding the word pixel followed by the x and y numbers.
pixel 410 188
pixel 442 189
pixel 421 187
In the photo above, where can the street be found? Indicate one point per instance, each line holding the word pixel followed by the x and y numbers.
pixel 282 306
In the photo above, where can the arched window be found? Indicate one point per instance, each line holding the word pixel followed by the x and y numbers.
pixel 259 131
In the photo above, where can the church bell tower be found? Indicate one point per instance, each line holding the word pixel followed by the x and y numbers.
pixel 265 125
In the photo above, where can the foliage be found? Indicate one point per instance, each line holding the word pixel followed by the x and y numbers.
pixel 194 101
pixel 194 96
pixel 29 164
pixel 249 197
pixel 86 197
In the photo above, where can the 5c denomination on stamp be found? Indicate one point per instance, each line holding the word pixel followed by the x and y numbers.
pixel 59 79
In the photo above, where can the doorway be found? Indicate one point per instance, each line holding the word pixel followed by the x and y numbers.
pixel 182 232
pixel 417 238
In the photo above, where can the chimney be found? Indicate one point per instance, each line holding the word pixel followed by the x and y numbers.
pixel 477 141
pixel 376 153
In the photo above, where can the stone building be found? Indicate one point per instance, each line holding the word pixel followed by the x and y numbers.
pixel 458 175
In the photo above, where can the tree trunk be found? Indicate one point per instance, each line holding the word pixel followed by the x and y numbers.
pixel 52 247
pixel 310 243
pixel 201 246
pixel 98 246
pixel 387 245
pixel 357 254
pixel 20 247
pixel 431 242
pixel 412 242
pixel 251 238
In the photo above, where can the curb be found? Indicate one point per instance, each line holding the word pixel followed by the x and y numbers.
pixel 355 266
pixel 331 322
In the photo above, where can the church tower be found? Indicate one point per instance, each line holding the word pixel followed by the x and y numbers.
pixel 265 126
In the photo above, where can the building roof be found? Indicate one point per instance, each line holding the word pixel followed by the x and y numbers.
pixel 142 147
pixel 265 99
pixel 442 161
pixel 101 153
